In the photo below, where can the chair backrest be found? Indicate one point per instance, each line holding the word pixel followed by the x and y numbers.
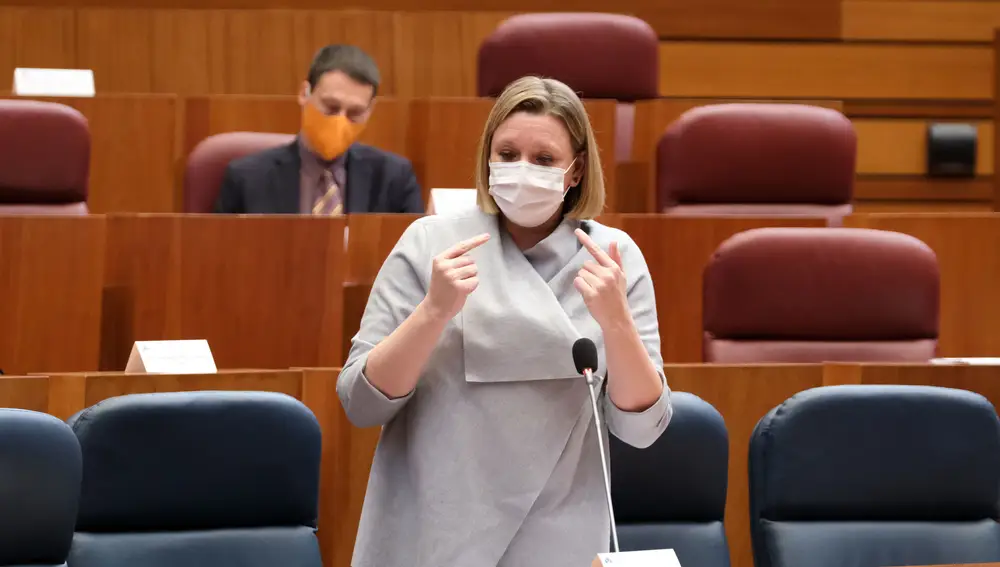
pixel 672 495
pixel 869 476
pixel 44 158
pixel 820 294
pixel 206 165
pixel 600 56
pixel 40 471
pixel 228 479
pixel 608 56
pixel 757 159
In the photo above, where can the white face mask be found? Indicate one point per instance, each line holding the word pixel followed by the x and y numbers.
pixel 528 194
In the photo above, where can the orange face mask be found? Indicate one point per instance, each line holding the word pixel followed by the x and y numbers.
pixel 328 136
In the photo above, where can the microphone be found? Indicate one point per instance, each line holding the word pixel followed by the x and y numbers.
pixel 585 359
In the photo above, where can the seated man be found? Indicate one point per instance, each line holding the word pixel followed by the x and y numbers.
pixel 325 172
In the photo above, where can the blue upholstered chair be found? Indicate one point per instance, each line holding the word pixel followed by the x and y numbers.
pixel 40 472
pixel 199 479
pixel 672 495
pixel 875 476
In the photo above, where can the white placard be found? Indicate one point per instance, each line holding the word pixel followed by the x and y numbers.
pixel 971 361
pixel 171 357
pixel 650 558
pixel 448 202
pixel 54 82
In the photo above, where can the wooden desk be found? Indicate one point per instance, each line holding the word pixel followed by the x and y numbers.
pixel 968 251
pixel 50 293
pixel 744 394
pixel 132 151
pixel 264 291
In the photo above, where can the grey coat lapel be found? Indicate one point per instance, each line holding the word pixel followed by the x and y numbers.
pixel 515 326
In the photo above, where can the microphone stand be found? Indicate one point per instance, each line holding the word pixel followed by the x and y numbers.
pixel 589 375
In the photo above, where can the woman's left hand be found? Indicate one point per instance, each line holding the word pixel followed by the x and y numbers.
pixel 602 283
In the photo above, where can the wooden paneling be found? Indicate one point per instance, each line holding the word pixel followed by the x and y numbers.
pixel 919 109
pixel 919 20
pixel 50 293
pixel 826 71
pixel 132 148
pixel 264 291
pixel 25 392
pixel 442 139
pixel 996 114
pixel 782 19
pixel 32 37
pixel 738 19
pixel 192 51
pixel 899 147
pixel 923 189
pixel 347 458
pixel 435 53
pixel 132 152
pixel 910 206
pixel 199 49
pixel 967 250
pixel 206 116
pixel 116 45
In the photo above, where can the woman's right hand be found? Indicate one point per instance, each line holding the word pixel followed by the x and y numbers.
pixel 453 277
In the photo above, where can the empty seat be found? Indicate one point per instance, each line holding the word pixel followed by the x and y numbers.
pixel 199 479
pixel 870 476
pixel 820 294
pixel 600 56
pixel 206 165
pixel 672 495
pixel 757 159
pixel 40 470
pixel 44 158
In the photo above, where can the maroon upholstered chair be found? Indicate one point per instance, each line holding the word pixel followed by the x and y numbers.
pixel 44 158
pixel 762 159
pixel 820 294
pixel 600 56
pixel 206 165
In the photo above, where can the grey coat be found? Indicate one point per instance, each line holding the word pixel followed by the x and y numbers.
pixel 493 459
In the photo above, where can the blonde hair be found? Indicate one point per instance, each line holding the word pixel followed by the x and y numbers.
pixel 550 97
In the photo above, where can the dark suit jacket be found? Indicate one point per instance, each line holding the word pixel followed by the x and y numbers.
pixel 268 182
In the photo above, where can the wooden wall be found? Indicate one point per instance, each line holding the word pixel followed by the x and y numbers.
pixel 895 65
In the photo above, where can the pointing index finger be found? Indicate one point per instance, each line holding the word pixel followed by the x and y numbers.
pixel 595 250
pixel 466 245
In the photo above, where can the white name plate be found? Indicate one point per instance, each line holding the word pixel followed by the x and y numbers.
pixel 171 357
pixel 650 558
pixel 54 82
pixel 972 361
pixel 448 202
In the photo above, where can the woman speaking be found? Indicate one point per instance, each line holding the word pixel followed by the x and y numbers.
pixel 488 455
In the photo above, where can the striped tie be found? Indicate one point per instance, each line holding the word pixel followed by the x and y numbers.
pixel 330 203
